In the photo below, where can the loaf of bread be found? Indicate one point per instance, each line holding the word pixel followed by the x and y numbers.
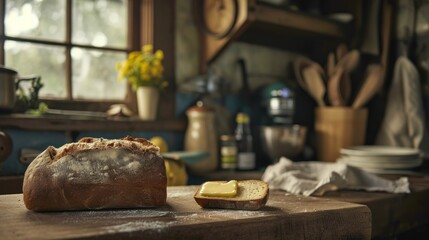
pixel 96 173
pixel 251 195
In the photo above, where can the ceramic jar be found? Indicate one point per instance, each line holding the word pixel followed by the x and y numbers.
pixel 201 135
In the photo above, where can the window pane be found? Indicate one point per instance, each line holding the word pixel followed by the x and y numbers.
pixel 100 23
pixel 95 76
pixel 43 60
pixel 42 19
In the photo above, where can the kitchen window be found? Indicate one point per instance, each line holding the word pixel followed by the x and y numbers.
pixel 74 46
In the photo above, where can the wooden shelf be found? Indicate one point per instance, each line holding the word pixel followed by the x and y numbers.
pixel 77 123
pixel 295 20
pixel 281 28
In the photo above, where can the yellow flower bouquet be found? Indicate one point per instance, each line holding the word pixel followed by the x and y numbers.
pixel 143 68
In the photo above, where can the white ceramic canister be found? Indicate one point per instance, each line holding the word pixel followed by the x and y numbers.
pixel 201 135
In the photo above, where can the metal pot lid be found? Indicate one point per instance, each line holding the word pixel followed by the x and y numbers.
pixel 4 69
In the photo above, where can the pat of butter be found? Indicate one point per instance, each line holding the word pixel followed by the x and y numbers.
pixel 219 189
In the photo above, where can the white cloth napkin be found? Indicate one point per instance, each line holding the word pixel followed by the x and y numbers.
pixel 404 119
pixel 316 178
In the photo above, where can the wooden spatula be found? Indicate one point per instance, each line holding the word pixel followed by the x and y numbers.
pixel 315 84
pixel 373 83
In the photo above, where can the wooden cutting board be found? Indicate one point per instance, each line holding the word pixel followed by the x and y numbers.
pixel 285 216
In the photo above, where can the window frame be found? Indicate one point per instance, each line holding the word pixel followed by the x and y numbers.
pixel 147 21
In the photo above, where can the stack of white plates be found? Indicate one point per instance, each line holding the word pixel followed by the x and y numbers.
pixel 381 158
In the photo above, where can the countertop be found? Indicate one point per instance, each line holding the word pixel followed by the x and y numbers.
pixel 394 216
pixel 336 215
pixel 284 216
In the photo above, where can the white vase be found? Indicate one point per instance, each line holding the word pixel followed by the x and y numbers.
pixel 147 102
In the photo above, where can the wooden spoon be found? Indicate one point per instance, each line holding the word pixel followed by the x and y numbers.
pixel 330 64
pixel 345 84
pixel 339 85
pixel 349 61
pixel 334 94
pixel 373 83
pixel 315 85
pixel 299 65
pixel 345 87
pixel 341 51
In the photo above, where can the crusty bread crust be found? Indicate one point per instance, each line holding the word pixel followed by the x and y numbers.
pixel 239 202
pixel 135 145
pixel 96 173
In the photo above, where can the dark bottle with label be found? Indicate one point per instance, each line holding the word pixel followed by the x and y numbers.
pixel 246 159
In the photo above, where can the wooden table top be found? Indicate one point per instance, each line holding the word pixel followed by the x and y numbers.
pixel 394 216
pixel 284 216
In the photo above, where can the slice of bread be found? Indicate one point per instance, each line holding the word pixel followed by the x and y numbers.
pixel 251 195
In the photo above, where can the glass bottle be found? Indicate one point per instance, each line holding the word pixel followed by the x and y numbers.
pixel 246 159
pixel 228 152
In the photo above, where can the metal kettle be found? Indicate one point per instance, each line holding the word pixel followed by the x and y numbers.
pixel 9 83
pixel 8 78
